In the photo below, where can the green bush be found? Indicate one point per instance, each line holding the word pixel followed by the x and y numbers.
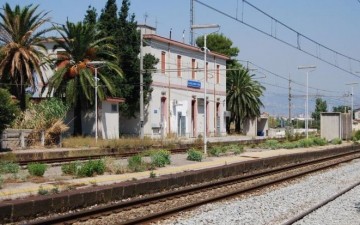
pixel 236 149
pixel 305 143
pixel 319 141
pixel 41 115
pixel 289 145
pixel 37 169
pixel 160 158
pixel 9 167
pixel 336 141
pixel 152 174
pixel 1 182
pixel 90 168
pixel 271 144
pixel 215 151
pixel 8 110
pixel 70 168
pixel 136 163
pixel 356 136
pixel 194 155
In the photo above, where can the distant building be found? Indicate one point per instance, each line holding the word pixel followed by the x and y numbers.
pixel 177 101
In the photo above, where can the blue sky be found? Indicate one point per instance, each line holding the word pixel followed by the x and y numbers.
pixel 333 23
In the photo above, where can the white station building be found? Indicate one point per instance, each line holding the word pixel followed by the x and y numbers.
pixel 176 107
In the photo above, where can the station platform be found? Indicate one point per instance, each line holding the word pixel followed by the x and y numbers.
pixel 179 164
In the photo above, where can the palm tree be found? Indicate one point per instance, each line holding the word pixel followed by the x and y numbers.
pixel 73 78
pixel 243 96
pixel 23 53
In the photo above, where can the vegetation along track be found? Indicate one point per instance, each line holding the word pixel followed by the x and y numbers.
pixel 130 152
pixel 80 158
pixel 157 206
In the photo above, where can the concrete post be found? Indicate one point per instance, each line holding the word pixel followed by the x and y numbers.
pixel 42 138
pixel 22 140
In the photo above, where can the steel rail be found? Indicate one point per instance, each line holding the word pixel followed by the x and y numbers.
pixel 320 204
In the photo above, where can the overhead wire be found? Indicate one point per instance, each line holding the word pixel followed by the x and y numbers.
pixel 298 34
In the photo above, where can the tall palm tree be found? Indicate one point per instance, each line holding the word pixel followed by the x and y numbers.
pixel 243 96
pixel 23 53
pixel 73 78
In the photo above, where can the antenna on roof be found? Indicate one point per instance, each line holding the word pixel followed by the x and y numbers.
pixel 183 36
pixel 146 15
pixel 170 33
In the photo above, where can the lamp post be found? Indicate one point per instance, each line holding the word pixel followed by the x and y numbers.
pixel 309 69
pixel 96 65
pixel 205 26
pixel 352 101
pixel 352 94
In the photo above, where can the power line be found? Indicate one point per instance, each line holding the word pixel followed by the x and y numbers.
pixel 285 78
pixel 299 37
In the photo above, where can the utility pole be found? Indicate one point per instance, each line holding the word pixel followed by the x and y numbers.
pixel 289 123
pixel 191 22
pixel 141 88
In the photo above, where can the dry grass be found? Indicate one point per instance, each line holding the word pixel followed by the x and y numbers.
pixel 122 143
pixel 78 142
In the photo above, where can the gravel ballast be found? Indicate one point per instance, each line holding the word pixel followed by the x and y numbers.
pixel 282 203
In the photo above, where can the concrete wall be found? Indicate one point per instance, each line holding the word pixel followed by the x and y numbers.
pixel 252 127
pixel 335 125
pixel 330 125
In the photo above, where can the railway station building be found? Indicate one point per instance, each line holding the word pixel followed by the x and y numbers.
pixel 176 106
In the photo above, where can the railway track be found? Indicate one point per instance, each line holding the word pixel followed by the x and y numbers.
pixel 158 206
pixel 321 204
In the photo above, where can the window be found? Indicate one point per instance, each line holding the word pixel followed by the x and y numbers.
pixel 114 107
pixel 163 54
pixel 179 65
pixel 217 74
pixel 193 69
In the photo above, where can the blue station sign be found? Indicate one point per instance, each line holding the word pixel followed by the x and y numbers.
pixel 194 84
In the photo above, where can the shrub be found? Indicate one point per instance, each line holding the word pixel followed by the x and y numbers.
pixel 289 145
pixel 336 141
pixel 216 151
pixel 160 158
pixel 1 182
pixel 305 143
pixel 194 155
pixel 152 174
pixel 238 151
pixel 70 168
pixel 271 144
pixel 9 167
pixel 356 136
pixel 136 163
pixel 37 169
pixel 90 168
pixel 8 110
pixel 43 191
pixel 319 141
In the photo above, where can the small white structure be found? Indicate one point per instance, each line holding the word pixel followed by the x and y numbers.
pixel 256 127
pixel 335 125
pixel 108 119
pixel 177 102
